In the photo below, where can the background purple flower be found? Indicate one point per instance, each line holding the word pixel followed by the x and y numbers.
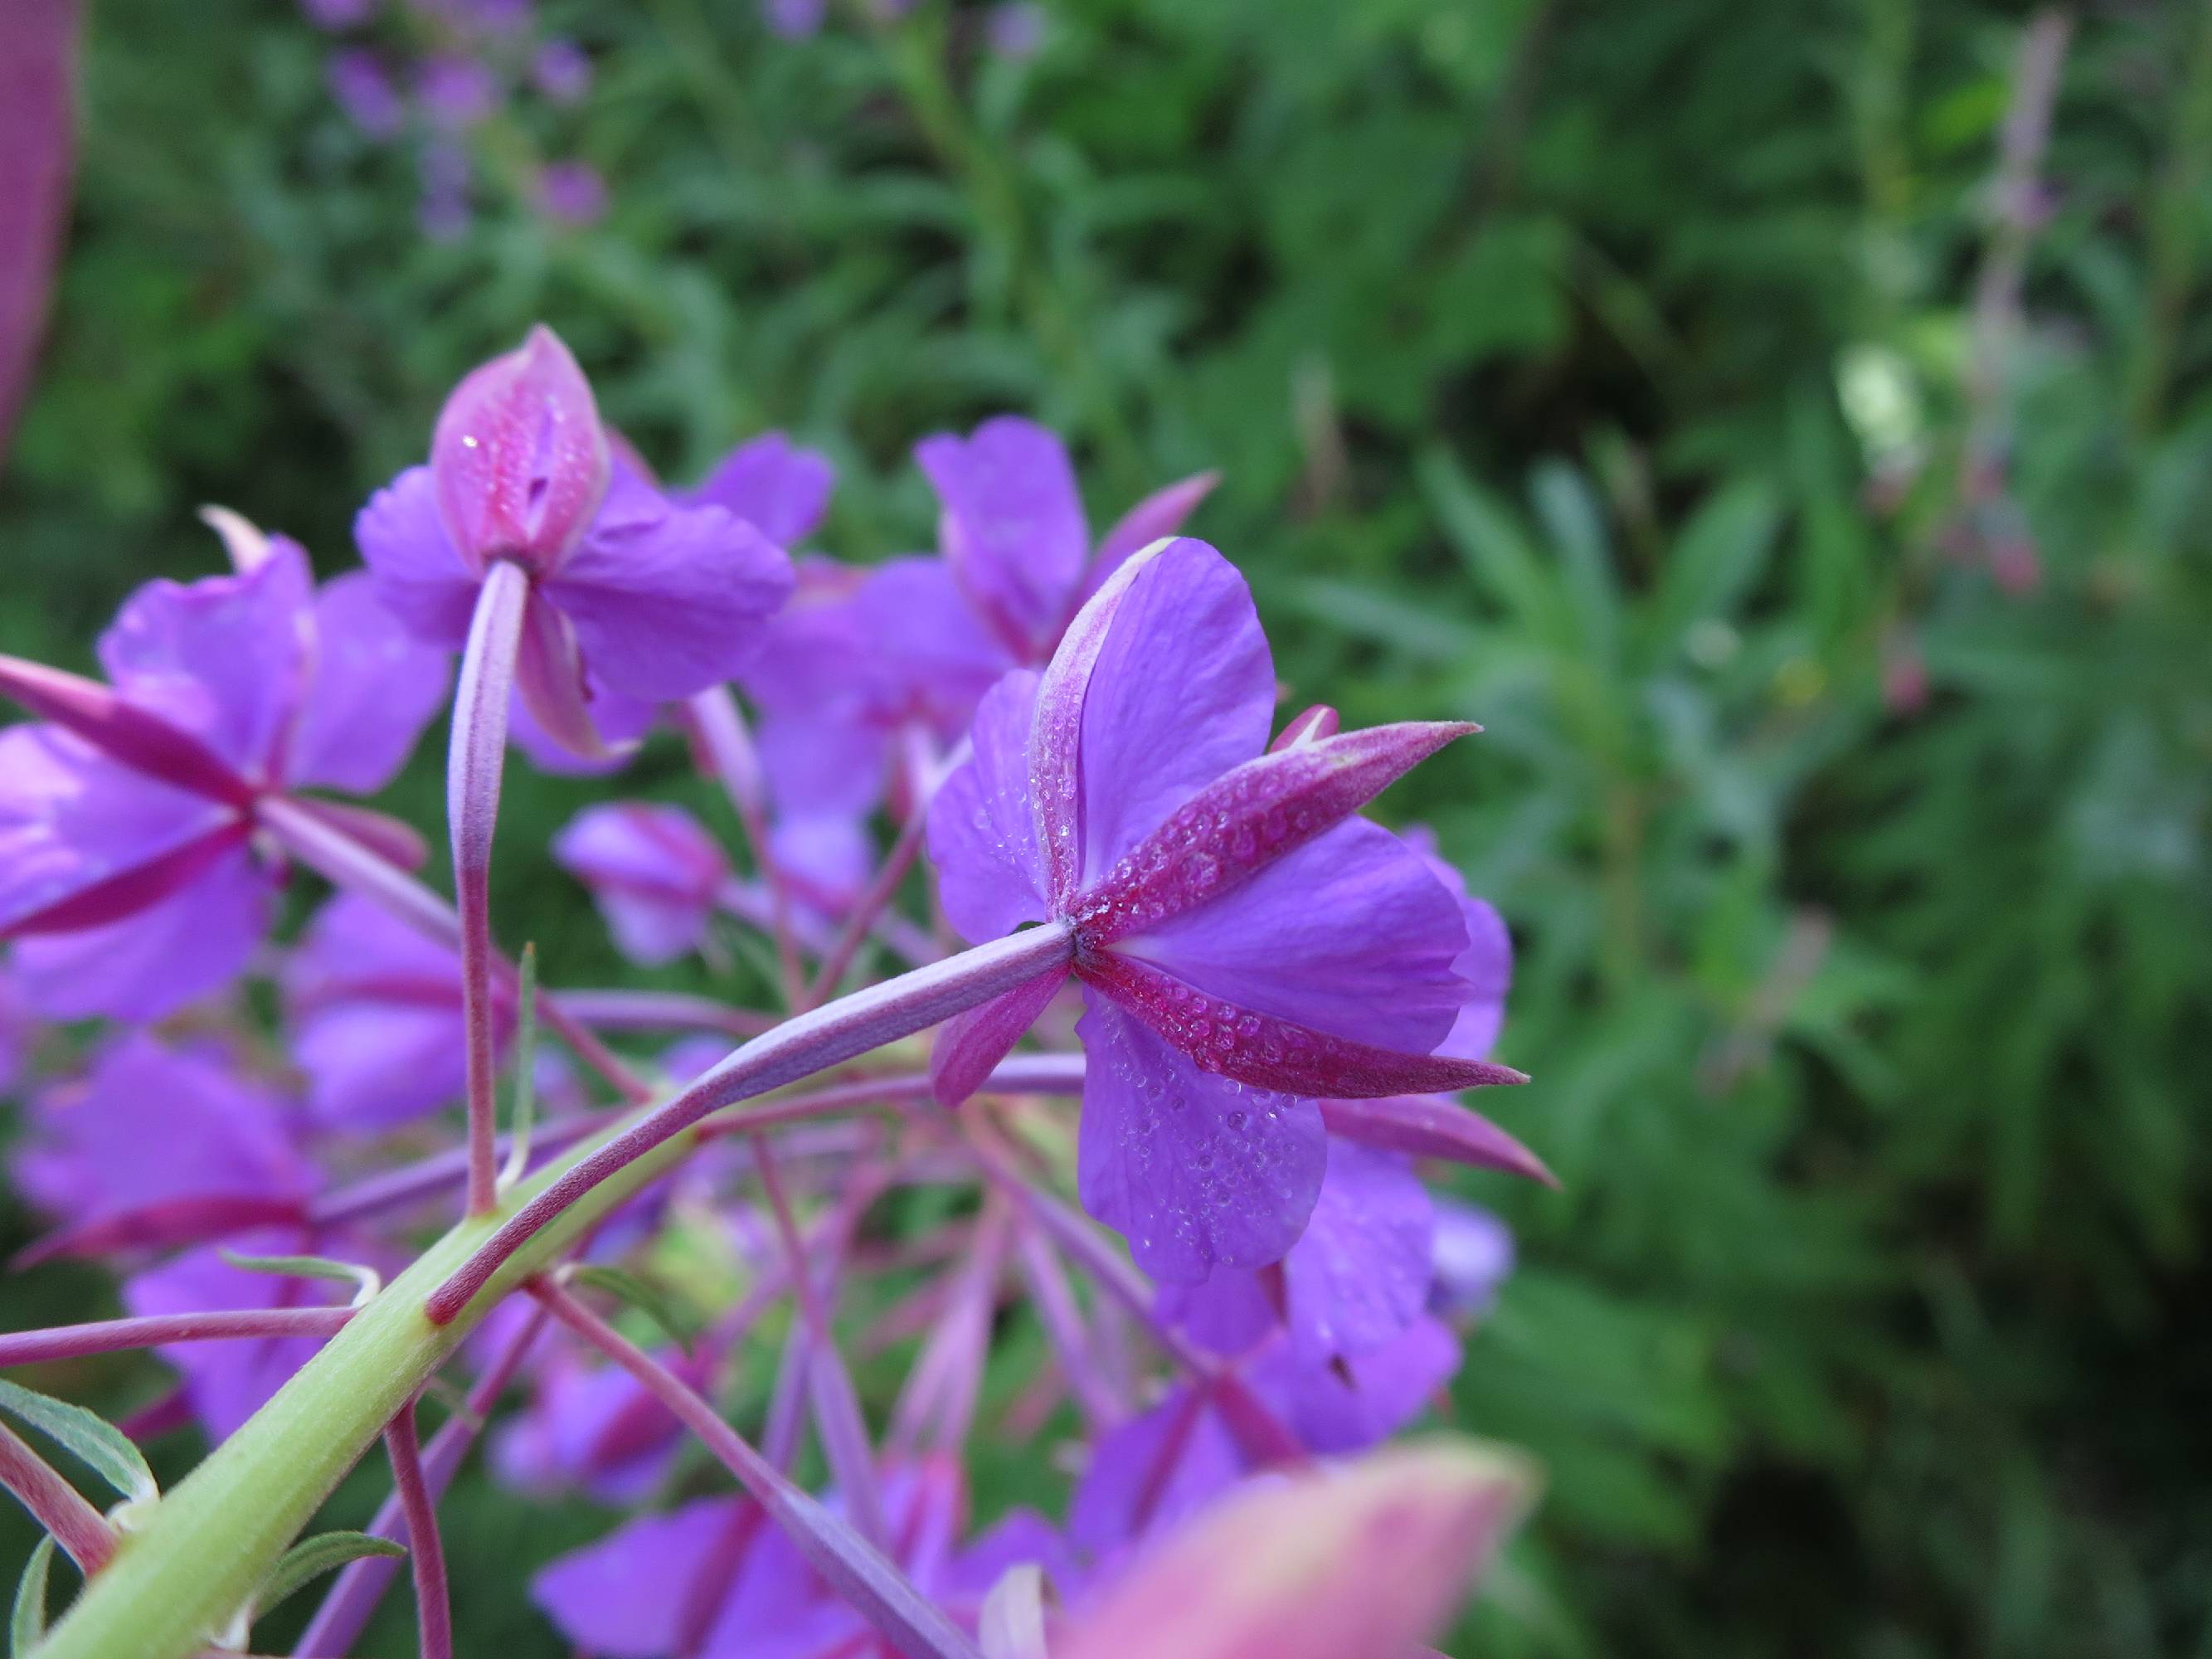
pixel 572 192
pixel 656 875
pixel 561 69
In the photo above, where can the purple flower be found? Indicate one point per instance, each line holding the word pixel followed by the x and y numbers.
pixel 361 88
pixel 455 91
pixel 148 1125
pixel 1358 1275
pixel 572 193
pixel 1016 30
pixel 794 20
pixel 1246 945
pixel 657 876
pixel 335 16
pixel 629 590
pixel 376 1011
pixel 127 869
pixel 593 1428
pixel 442 168
pixel 715 1579
pixel 1472 1255
pixel 562 71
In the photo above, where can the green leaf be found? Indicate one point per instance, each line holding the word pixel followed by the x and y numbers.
pixel 1489 541
pixel 648 1299
pixel 1715 561
pixel 525 1070
pixel 104 1448
pixel 311 1557
pixel 311 1266
pixel 28 1622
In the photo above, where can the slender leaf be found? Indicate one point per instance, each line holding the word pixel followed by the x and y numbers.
pixel 367 1279
pixel 1494 547
pixel 648 1299
pixel 311 1557
pixel 28 1622
pixel 105 1448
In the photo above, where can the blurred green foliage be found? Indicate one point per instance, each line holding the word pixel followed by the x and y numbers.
pixel 1613 376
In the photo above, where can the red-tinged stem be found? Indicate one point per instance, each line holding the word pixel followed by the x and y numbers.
pixel 354 867
pixel 725 749
pixel 474 765
pixel 345 1612
pixel 801 1046
pixel 154 1330
pixel 879 892
pixel 938 1401
pixel 836 1408
pixel 661 1011
pixel 851 1566
pixel 426 1550
pixel 1054 1298
pixel 56 1505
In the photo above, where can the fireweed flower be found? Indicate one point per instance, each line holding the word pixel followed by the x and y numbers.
pixel 1247 946
pixel 129 864
pixel 656 874
pixel 592 1428
pixel 651 600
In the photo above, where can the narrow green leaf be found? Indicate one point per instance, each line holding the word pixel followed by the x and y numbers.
pixel 524 1109
pixel 105 1448
pixel 1489 541
pixel 1715 561
pixel 311 1557
pixel 28 1622
pixel 368 1280
pixel 648 1299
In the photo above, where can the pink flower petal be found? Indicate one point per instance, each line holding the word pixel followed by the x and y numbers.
pixel 411 557
pixel 982 831
pixel 1011 526
pixel 1160 514
pixel 376 687
pixel 771 484
pixel 972 1043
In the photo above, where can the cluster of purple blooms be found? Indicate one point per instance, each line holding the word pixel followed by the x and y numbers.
pixel 433 71
pixel 1259 1003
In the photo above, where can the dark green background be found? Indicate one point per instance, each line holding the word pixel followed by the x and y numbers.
pixel 1870 1045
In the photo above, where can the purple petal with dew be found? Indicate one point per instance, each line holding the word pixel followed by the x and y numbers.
pixel 375 688
pixel 770 484
pixel 225 658
pixel 103 721
pixel 1010 524
pixel 1182 690
pixel 1350 934
pixel 654 872
pixel 668 600
pixel 930 658
pixel 1265 1051
pixel 148 1125
pixel 227 1382
pixel 1242 822
pixel 1360 1273
pixel 1197 1171
pixel 155 960
pixel 983 830
pixel 519 459
pixel 412 559
pixel 1429 1126
pixel 970 1045
pixel 1160 514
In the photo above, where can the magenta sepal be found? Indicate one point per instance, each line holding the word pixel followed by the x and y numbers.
pixel 1260 1051
pixel 163 1225
pixel 146 742
pixel 801 1046
pixel 519 457
pixel 1245 820
pixel 972 1044
pixel 134 889
pixel 1423 1126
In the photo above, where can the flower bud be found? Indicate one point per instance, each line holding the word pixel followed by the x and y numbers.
pixel 519 460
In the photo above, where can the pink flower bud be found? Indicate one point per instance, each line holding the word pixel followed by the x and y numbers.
pixel 520 462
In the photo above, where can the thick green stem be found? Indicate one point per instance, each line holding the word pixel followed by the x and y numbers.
pixel 191 1562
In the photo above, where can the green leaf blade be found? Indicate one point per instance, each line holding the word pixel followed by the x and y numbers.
pixel 98 1444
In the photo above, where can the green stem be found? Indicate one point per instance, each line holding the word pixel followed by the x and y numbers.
pixel 191 1562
